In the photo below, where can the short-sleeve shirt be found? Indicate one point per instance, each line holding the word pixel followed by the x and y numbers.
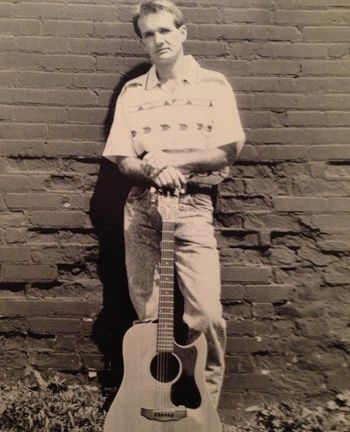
pixel 201 114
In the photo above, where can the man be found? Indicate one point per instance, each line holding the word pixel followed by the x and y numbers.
pixel 176 127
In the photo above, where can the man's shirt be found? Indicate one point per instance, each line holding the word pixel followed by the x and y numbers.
pixel 201 114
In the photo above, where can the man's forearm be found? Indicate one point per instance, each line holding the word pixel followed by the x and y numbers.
pixel 131 167
pixel 206 160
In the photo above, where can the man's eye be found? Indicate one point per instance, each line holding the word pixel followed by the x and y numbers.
pixel 163 31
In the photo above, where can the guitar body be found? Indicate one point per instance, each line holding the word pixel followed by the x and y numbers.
pixel 178 402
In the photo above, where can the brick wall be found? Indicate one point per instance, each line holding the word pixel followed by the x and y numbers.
pixel 283 224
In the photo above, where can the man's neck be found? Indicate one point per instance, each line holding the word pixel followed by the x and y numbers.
pixel 172 71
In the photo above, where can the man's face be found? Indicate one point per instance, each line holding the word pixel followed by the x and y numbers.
pixel 160 37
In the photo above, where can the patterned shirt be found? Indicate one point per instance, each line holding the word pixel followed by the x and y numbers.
pixel 201 114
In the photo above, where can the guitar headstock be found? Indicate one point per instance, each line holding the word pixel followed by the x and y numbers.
pixel 167 202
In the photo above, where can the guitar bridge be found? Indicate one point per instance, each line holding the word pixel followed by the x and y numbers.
pixel 164 415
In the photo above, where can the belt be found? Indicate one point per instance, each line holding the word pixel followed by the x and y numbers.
pixel 193 188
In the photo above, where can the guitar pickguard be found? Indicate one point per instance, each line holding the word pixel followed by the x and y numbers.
pixel 185 390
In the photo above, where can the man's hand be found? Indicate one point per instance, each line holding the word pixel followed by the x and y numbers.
pixel 153 163
pixel 170 177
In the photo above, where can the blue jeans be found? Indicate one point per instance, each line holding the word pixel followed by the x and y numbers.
pixel 197 270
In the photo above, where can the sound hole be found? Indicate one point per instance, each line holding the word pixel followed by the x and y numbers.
pixel 165 367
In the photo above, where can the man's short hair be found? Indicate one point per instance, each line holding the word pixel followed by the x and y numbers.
pixel 153 7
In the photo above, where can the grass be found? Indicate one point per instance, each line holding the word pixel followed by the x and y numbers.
pixel 57 407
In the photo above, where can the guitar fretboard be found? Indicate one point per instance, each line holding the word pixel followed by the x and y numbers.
pixel 165 335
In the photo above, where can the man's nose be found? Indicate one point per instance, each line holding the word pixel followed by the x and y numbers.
pixel 158 38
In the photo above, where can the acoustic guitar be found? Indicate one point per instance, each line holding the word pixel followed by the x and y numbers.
pixel 163 387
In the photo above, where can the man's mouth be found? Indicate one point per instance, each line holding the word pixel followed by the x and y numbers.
pixel 162 50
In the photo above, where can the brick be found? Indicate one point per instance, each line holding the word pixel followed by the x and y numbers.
pixel 337 278
pixel 301 204
pixel 240 328
pixel 50 97
pixel 42 44
pixel 325 67
pixel 93 361
pixel 7 43
pixel 31 307
pixel 232 292
pixel 81 132
pixel 96 46
pixel 301 118
pixel 312 17
pixel 87 115
pixel 42 80
pixel 22 131
pixel 222 31
pixel 252 345
pixel 15 235
pixel 306 136
pixel 6 9
pixel 19 26
pixel 55 325
pixel 40 115
pixel 8 78
pixel 263 310
pixel 337 118
pixel 271 67
pixel 114 29
pixel 39 10
pixel 334 246
pixel 15 359
pixel 18 201
pixel 25 148
pixel 246 274
pixel 245 381
pixel 247 15
pixel 68 62
pixel 294 50
pixel 56 219
pixel 58 361
pixel 338 380
pixel 64 28
pixel 339 204
pixel 314 84
pixel 14 254
pixel 13 182
pixel 228 67
pixel 313 102
pixel 209 49
pixel 75 148
pixel 329 152
pixel 27 273
pixel 327 34
pixel 275 33
pixel 271 292
pixel 198 15
pixel 332 223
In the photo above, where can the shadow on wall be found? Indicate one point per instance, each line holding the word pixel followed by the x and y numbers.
pixel 106 213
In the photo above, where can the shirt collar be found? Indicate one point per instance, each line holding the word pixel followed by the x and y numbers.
pixel 191 74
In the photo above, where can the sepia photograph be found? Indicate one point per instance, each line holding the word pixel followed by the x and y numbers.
pixel 175 216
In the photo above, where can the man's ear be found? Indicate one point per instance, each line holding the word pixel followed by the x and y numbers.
pixel 141 42
pixel 183 32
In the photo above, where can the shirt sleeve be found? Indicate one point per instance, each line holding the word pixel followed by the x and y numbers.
pixel 120 142
pixel 227 122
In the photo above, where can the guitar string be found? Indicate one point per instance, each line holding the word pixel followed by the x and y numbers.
pixel 164 356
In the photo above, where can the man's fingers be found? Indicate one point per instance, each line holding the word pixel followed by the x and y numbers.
pixel 170 178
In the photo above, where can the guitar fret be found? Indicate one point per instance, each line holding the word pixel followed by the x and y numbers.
pixel 165 334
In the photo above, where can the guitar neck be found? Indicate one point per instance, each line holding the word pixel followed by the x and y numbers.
pixel 165 336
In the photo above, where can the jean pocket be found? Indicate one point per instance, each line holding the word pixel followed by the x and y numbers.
pixel 202 202
pixel 137 193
